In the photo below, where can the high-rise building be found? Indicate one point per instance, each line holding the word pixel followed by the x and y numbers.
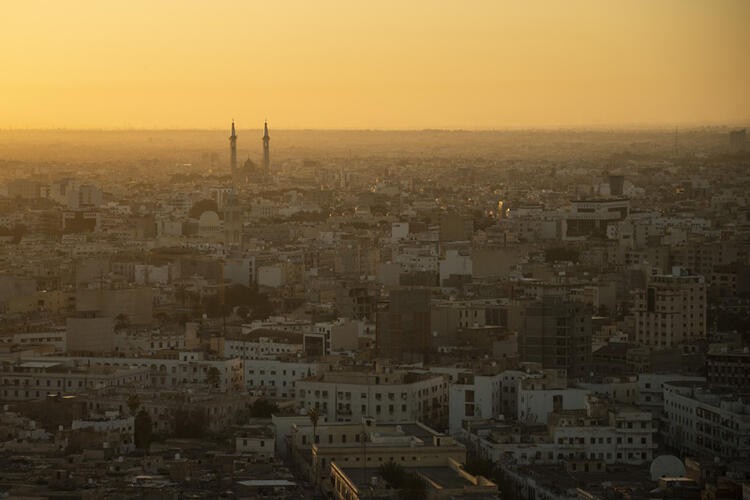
pixel 233 154
pixel 403 331
pixel 670 310
pixel 557 334
pixel 266 151
pixel 233 221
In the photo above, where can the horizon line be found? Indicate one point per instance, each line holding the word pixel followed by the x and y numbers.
pixel 509 128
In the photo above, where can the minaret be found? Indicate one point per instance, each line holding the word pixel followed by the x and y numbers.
pixel 233 154
pixel 266 152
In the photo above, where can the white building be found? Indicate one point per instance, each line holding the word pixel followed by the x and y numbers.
pixel 670 310
pixel 258 440
pixel 650 389
pixel 263 344
pixel 385 394
pixel 399 231
pixel 240 271
pixel 111 423
pixel 541 394
pixel 474 396
pixel 331 336
pixel 707 422
pixel 35 378
pixel 599 432
pixel 56 338
pixel 168 371
pixel 596 217
pixel 618 389
pixel 277 377
pixel 272 276
pixel 454 263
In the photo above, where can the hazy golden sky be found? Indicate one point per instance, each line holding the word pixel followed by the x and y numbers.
pixel 373 63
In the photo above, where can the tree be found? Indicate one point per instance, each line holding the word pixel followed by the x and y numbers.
pixel 134 402
pixel 413 488
pixel 143 428
pixel 263 408
pixel 410 485
pixel 479 467
pixel 190 423
pixel 257 304
pixel 314 414
pixel 392 472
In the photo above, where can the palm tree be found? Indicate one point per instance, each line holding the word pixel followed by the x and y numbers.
pixel 314 414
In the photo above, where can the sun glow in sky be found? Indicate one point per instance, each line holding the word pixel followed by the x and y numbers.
pixel 373 64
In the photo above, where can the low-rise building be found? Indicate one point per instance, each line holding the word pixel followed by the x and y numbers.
pixel 258 440
pixel 277 377
pixel 410 444
pixel 602 432
pixel 728 367
pixel 262 344
pixel 35 379
pixel 707 421
pixel 385 394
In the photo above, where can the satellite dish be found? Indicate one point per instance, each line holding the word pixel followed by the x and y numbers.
pixel 666 465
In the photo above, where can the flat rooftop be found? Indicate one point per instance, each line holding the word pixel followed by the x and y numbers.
pixel 444 476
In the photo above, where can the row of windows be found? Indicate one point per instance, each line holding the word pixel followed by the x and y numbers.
pixel 56 383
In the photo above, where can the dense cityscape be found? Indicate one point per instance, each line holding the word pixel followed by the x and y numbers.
pixel 251 313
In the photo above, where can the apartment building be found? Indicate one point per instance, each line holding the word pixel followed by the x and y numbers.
pixel 277 377
pixel 729 367
pixel 409 444
pixel 385 394
pixel 707 421
pixel 600 432
pixel 262 344
pixel 670 310
pixel 171 369
pixel 34 379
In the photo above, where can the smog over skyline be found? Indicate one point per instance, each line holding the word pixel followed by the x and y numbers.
pixel 374 65
pixel 349 250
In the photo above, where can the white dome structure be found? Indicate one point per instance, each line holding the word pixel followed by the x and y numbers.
pixel 666 465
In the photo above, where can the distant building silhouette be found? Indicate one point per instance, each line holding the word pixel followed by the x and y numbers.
pixel 738 140
pixel 616 184
pixel 233 155
pixel 249 171
pixel 266 151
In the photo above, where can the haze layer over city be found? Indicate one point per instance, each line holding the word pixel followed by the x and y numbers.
pixel 343 250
